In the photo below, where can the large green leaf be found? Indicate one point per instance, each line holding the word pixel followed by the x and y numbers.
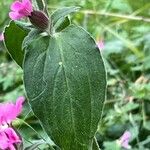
pixel 14 36
pixel 65 81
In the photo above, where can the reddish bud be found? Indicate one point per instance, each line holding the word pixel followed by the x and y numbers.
pixel 39 20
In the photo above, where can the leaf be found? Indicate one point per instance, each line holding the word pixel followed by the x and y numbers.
pixel 112 145
pixel 40 4
pixel 62 13
pixel 14 36
pixel 31 36
pixel 34 146
pixel 65 81
pixel 24 26
pixel 95 144
pixel 62 24
pixel 147 125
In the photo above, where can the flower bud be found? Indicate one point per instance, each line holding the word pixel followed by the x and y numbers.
pixel 39 20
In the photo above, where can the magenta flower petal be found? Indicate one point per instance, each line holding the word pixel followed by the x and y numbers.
pixel 13 137
pixel 9 111
pixel 100 44
pixel 1 36
pixel 19 104
pixel 125 136
pixel 6 112
pixel 3 141
pixel 16 6
pixel 124 140
pixel 125 144
pixel 15 110
pixel 28 5
pixel 7 138
pixel 21 9
pixel 15 16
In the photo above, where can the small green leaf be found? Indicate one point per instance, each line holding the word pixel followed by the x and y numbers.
pixel 62 13
pixel 62 24
pixel 34 146
pixel 65 81
pixel 40 4
pixel 14 37
pixel 25 26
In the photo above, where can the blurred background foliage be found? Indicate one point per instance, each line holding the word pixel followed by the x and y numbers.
pixel 124 27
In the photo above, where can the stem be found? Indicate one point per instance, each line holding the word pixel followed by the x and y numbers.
pixel 135 127
pixel 129 17
pixel 40 4
pixel 143 114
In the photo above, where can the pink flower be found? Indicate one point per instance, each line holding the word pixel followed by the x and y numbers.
pixel 1 36
pixel 100 44
pixel 8 138
pixel 24 9
pixel 21 9
pixel 9 112
pixel 124 140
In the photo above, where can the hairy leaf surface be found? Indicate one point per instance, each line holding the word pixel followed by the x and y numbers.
pixel 60 16
pixel 65 81
pixel 14 36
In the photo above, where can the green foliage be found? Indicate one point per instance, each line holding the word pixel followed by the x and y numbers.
pixel 124 27
pixel 14 45
pixel 60 18
pixel 68 99
pixel 10 83
pixel 62 13
pixel 111 146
